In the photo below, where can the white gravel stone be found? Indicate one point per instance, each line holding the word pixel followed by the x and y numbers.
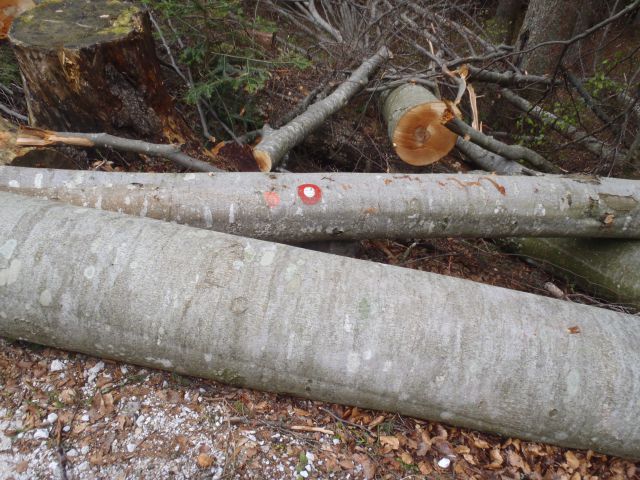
pixel 56 365
pixel 41 434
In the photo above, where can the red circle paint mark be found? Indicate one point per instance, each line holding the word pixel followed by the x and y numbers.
pixel 309 193
pixel 272 199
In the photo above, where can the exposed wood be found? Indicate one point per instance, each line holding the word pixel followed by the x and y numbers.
pixel 92 67
pixel 37 137
pixel 297 208
pixel 415 118
pixel 275 144
pixel 272 317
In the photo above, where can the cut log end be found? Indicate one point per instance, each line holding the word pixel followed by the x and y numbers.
pixel 67 24
pixel 263 159
pixel 420 138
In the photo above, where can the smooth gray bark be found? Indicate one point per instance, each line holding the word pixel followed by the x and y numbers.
pixel 278 318
pixel 327 206
pixel 276 143
pixel 610 268
pixel 607 268
pixel 506 19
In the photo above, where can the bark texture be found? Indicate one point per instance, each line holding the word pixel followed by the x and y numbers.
pixel 607 268
pixel 414 118
pixel 610 268
pixel 92 67
pixel 506 19
pixel 276 143
pixel 546 20
pixel 283 319
pixel 296 208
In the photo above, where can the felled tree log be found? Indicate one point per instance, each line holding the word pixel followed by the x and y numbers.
pixel 323 206
pixel 609 268
pixel 415 118
pixel 92 67
pixel 275 144
pixel 283 319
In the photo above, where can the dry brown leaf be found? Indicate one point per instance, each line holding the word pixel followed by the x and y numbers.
pixel 68 396
pixel 368 467
pixel 496 458
pixel 347 464
pixel 572 461
pixel 573 330
pixel 425 468
pixel 406 458
pixel 478 443
pixel 300 412
pixel 391 441
pixel 21 467
pixel 576 476
pixel 469 458
pixel 205 460
pixel 376 421
pixel 515 460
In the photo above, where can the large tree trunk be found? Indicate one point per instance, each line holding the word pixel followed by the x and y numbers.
pixel 92 67
pixel 296 208
pixel 544 21
pixel 606 268
pixel 283 319
pixel 414 118
pixel 611 269
pixel 506 19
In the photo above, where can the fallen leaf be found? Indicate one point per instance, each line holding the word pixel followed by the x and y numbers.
pixel 573 330
pixel 572 461
pixel 368 467
pixel 376 421
pixel 496 458
pixel 425 468
pixel 390 441
pixel 480 443
pixel 205 460
pixel 406 458
pixel 347 464
pixel 21 467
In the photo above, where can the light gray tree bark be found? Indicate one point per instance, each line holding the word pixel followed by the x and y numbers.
pixel 276 143
pixel 610 268
pixel 546 20
pixel 296 208
pixel 278 318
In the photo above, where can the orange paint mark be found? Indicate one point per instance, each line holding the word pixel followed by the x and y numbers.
pixel 497 186
pixel 272 199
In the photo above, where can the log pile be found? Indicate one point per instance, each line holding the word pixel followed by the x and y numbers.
pixel 243 310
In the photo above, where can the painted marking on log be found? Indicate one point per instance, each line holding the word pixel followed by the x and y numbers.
pixel 272 199
pixel 14 184
pixel 309 193
pixel 37 181
pixel 45 298
pixel 462 184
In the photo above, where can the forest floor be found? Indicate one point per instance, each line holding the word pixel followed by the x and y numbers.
pixel 71 416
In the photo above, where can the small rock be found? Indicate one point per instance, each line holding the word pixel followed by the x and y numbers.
pixel 66 428
pixel 56 366
pixel 444 463
pixel 85 417
pixel 41 434
pixel 131 447
pixel 51 418
pixel 304 474
pixel 84 450
pixel 72 453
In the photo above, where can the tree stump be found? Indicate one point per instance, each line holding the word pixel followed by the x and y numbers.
pixel 92 67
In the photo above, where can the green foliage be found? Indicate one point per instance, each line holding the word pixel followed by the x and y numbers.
pixel 9 72
pixel 601 83
pixel 224 47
